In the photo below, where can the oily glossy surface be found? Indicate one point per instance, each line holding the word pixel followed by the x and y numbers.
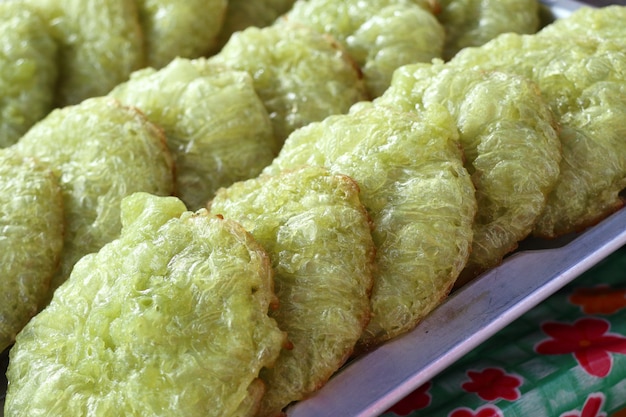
pixel 28 70
pixel 101 152
pixel 475 22
pixel 241 14
pixel 100 44
pixel 31 230
pixel 301 75
pixel 380 35
pixel 174 28
pixel 510 143
pixel 583 80
pixel 169 319
pixel 216 127
pixel 419 196
pixel 317 234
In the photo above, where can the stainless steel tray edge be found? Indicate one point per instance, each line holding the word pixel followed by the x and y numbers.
pixel 370 384
pixel 562 8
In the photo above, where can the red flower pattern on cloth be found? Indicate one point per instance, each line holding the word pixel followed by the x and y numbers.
pixel 484 411
pixel 587 339
pixel 417 400
pixel 493 383
pixel 592 408
pixel 599 300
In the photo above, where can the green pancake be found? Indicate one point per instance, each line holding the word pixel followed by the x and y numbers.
pixel 169 319
pixel 582 79
pixel 242 14
pixel 31 239
pixel 100 43
pixel 591 22
pixel 317 234
pixel 217 128
pixel 28 70
pixel 101 152
pixel 476 22
pixel 420 197
pixel 510 142
pixel 380 35
pixel 173 28
pixel 301 75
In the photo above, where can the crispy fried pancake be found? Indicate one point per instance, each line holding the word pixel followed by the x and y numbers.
pixel 510 143
pixel 100 43
pixel 380 35
pixel 28 70
pixel 173 28
pixel 169 319
pixel 582 79
pixel 418 194
pixel 318 236
pixel 301 75
pixel 31 239
pixel 216 126
pixel 101 151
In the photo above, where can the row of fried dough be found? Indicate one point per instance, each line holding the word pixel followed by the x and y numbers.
pixel 58 53
pixel 406 173
pixel 298 74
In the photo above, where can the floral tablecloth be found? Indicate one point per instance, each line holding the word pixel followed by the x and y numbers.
pixel 564 358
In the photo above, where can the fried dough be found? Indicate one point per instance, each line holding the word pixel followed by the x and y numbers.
pixel 173 28
pixel 28 70
pixel 318 236
pixel 420 198
pixel 169 319
pixel 476 22
pixel 301 75
pixel 31 239
pixel 582 79
pixel 380 35
pixel 510 142
pixel 217 128
pixel 100 43
pixel 591 22
pixel 242 14
pixel 101 152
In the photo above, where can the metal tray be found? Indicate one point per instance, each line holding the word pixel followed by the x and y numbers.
pixel 563 8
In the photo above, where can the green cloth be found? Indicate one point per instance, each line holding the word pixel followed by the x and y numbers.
pixel 564 358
